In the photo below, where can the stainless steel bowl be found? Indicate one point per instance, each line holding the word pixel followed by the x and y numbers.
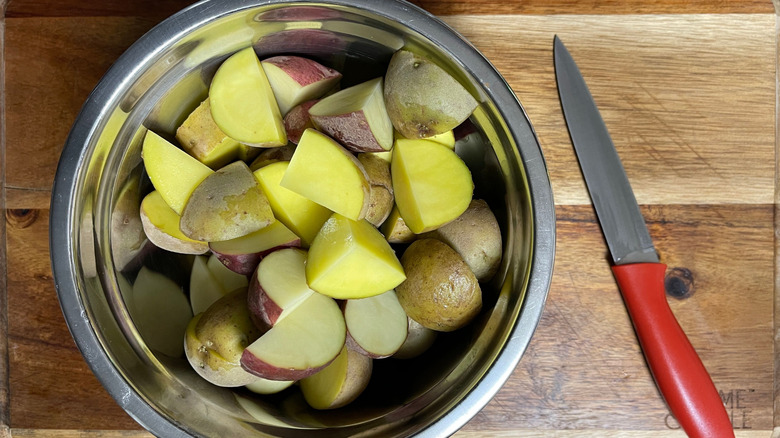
pixel 97 244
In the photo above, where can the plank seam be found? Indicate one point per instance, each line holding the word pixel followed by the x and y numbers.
pixel 5 398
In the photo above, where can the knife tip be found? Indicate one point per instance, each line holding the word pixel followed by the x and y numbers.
pixel 557 42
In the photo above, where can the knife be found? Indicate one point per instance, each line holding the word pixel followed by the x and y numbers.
pixel 678 372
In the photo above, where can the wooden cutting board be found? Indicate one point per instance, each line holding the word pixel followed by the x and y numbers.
pixel 688 93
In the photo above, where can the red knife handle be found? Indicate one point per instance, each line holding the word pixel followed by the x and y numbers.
pixel 679 373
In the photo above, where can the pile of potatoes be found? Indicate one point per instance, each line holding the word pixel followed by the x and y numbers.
pixel 296 198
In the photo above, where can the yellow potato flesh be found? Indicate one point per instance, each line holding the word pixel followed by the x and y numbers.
pixel 163 217
pixel 445 138
pixel 302 216
pixel 340 383
pixel 243 104
pixel 263 239
pixel 323 171
pixel 173 172
pixel 351 259
pixel 203 139
pixel 432 184
pixel 321 389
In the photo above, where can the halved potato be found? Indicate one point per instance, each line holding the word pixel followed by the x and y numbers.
pixel 174 173
pixel 351 259
pixel 302 216
pixel 243 104
pixel 322 171
pixel 422 99
pixel 432 184
pixel 161 225
pixel 227 204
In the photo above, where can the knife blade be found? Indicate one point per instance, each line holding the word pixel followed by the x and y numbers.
pixel 677 369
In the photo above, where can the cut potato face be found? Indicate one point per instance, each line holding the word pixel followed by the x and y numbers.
pixel 356 117
pixel 278 286
pixel 376 326
pixel 242 254
pixel 215 341
pixel 265 386
pixel 300 344
pixel 204 287
pixel 173 172
pixel 422 99
pixel 227 204
pixel 351 259
pixel 243 104
pixel 445 138
pixel 295 79
pixel 322 171
pixel 302 216
pixel 432 184
pixel 339 383
pixel 161 225
pixel 228 279
pixel 160 311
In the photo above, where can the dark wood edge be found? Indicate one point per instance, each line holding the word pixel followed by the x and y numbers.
pixel 4 375
pixel 163 8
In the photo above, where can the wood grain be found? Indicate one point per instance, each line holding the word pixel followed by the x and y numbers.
pixel 583 369
pixel 689 100
pixel 163 8
pixel 51 66
pixel 527 433
pixel 692 131
pixel 50 383
pixel 5 397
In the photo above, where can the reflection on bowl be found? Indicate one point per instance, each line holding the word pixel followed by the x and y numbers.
pixel 98 246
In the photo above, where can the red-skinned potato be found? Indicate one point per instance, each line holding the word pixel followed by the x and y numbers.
pixel 376 326
pixel 301 342
pixel 295 79
pixel 242 254
pixel 356 117
pixel 298 120
pixel 278 285
pixel 307 329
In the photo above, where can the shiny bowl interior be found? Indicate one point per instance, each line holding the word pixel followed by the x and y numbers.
pixel 98 246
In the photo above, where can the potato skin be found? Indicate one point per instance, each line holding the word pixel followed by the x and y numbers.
pixel 474 235
pixel 440 291
pixel 422 99
pixel 381 199
pixel 216 338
